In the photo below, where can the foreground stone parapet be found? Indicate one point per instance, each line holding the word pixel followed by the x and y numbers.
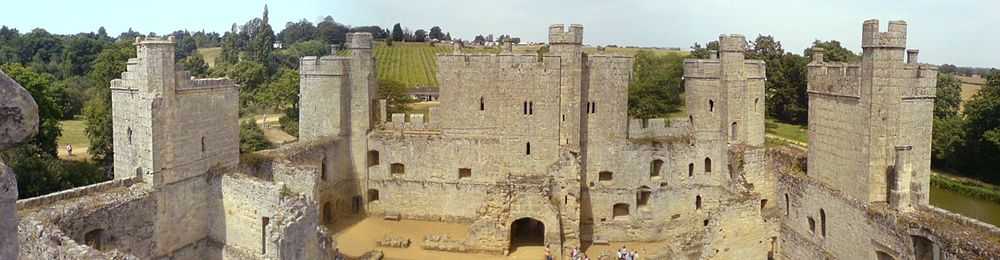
pixel 18 113
pixel 8 213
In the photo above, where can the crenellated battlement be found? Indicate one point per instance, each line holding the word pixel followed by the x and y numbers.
pixel 894 37
pixel 835 78
pixel 702 69
pixel 326 65
pixel 451 61
pixel 755 69
pixel 658 127
pixel 559 34
pixel 921 81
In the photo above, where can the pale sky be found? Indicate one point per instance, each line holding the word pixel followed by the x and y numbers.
pixel 962 32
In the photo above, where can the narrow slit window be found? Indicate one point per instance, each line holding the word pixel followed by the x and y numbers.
pixel 711 105
pixel 697 202
pixel 482 104
pixel 527 148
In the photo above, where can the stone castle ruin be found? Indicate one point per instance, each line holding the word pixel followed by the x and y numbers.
pixel 524 149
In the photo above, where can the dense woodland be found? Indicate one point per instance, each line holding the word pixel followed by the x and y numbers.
pixel 69 77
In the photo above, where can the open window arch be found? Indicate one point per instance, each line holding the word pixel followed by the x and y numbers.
pixel 708 165
pixel 822 222
pixel 690 169
pixel 697 202
pixel 373 195
pixel 642 196
pixel 95 239
pixel 373 158
pixel 397 169
pixel 654 168
pixel 732 131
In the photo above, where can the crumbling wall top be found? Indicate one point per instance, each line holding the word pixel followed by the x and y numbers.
pixel 558 34
pixel 895 37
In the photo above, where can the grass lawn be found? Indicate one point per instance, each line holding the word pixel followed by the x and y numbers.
pixel 788 131
pixel 73 132
pixel 210 54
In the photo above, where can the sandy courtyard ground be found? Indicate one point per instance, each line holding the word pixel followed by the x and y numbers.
pixel 358 236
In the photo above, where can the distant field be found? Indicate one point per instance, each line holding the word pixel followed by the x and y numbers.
pixel 413 64
pixel 788 131
pixel 210 54
pixel 73 132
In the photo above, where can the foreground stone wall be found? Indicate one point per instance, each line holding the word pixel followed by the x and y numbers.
pixel 18 121
pixel 8 213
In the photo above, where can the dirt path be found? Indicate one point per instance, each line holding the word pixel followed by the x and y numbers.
pixel 357 236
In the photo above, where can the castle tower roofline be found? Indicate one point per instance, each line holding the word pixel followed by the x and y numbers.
pixel 169 40
pixel 894 37
pixel 359 40
pixel 732 43
pixel 559 34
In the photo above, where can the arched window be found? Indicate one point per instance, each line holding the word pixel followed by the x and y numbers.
pixel 733 130
pixel 263 234
pixel 654 168
pixel 373 158
pixel 691 120
pixel 822 222
pixel 755 103
pixel 711 105
pixel 619 210
pixel 690 169
pixel 397 168
pixel 697 202
pixel 708 165
pixel 482 104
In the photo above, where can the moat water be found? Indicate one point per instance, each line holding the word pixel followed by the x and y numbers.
pixel 984 210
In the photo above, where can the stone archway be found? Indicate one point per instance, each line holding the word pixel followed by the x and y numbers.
pixel 527 232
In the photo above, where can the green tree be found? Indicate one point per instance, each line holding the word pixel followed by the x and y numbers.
pixel 109 65
pixel 656 87
pixel 436 33
pixel 79 53
pixel 949 96
pixel 252 138
pixel 833 52
pixel 195 64
pixel 699 52
pixel 42 89
pixel 397 32
pixel 395 95
pixel 283 92
pixel 297 32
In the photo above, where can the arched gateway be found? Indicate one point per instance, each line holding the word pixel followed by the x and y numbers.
pixel 527 232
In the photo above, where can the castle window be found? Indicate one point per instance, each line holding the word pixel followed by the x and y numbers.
pixel 704 223
pixel 531 108
pixel 711 106
pixel 482 104
pixel 654 168
pixel 592 107
pixel 697 202
pixel 464 173
pixel 822 222
pixel 690 169
pixel 94 239
pixel 812 225
pixel 642 197
pixel 691 120
pixel 604 176
pixel 202 144
pixel 619 211
pixel 372 195
pixel 397 168
pixel 756 101
pixel 129 133
pixel 263 234
pixel 527 148
pixel 763 203
pixel 373 158
pixel 925 249
pixel 733 129
pixel 322 168
pixel 708 165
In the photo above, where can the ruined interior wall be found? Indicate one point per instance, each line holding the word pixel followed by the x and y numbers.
pixel 511 200
pixel 737 231
pixel 836 137
pixel 127 225
pixel 243 203
pixel 184 214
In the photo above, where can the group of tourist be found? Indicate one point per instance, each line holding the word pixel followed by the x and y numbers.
pixel 577 254
pixel 624 254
